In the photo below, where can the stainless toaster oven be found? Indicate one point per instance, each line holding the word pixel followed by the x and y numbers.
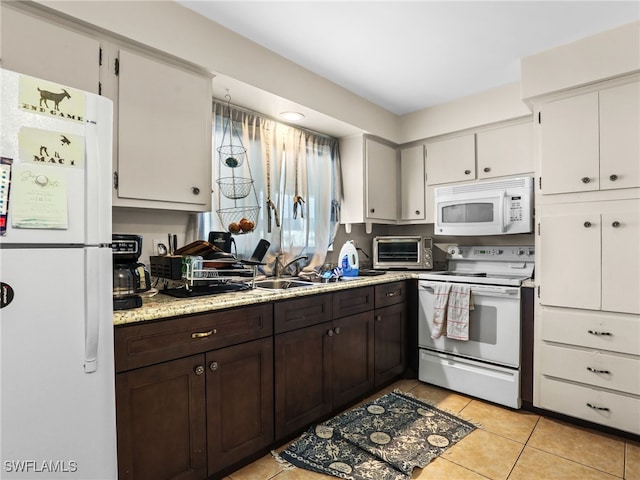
pixel 403 253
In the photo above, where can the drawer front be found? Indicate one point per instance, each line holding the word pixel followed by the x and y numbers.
pixel 148 343
pixel 352 301
pixel 592 404
pixel 599 330
pixel 302 312
pixel 390 293
pixel 600 369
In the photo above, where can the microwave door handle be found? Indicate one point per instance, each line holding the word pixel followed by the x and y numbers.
pixel 501 209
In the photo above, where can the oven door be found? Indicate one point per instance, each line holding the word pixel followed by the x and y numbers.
pixel 494 325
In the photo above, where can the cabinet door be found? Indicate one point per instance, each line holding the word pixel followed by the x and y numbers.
pixel 412 183
pixel 239 402
pixel 619 138
pixel 570 261
pixel 161 421
pixel 302 378
pixel 621 261
pixel 505 151
pixel 390 343
pixel 42 49
pixel 451 160
pixel 569 145
pixel 381 181
pixel 164 133
pixel 352 346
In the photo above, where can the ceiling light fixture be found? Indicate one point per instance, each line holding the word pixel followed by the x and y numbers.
pixel 292 116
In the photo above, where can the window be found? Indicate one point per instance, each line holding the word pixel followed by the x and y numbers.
pixel 297 170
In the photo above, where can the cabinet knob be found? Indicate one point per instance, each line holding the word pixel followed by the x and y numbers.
pixel 585 179
pixel 391 294
pixel 330 333
pixel 337 330
pixel 587 224
pixel 613 177
pixel 595 407
pixel 199 370
pixel 372 210
pixel 467 172
pixel 486 169
pixel 378 318
pixel 195 190
pixel 615 224
pixel 417 212
pixel 214 366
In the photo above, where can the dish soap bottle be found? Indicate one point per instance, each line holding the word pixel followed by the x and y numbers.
pixel 349 259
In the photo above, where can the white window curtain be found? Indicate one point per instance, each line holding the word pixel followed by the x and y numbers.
pixel 286 164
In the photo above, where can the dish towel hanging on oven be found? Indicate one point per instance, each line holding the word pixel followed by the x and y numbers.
pixel 458 308
pixel 440 299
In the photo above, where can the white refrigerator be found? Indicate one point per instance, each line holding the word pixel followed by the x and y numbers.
pixel 57 395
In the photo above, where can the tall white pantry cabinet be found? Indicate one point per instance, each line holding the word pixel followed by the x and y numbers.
pixel 587 347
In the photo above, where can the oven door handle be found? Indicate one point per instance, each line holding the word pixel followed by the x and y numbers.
pixel 484 291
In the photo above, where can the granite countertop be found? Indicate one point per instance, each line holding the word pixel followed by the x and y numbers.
pixel 164 306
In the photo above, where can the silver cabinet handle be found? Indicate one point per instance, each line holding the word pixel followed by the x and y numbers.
pixel 585 179
pixel 214 366
pixel 613 177
pixel 595 332
pixel 486 169
pixel 330 333
pixel 595 370
pixel 417 212
pixel 337 330
pixel 587 224
pixel 392 294
pixel 467 172
pixel 378 318
pixel 195 190
pixel 199 370
pixel 615 224
pixel 204 334
pixel 595 407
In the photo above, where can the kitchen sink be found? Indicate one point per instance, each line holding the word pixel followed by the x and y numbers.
pixel 283 284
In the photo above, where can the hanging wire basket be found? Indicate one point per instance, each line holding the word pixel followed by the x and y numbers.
pixel 239 220
pixel 232 155
pixel 235 187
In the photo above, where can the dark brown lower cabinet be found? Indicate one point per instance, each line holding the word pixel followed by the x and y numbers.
pixel 390 342
pixel 162 421
pixel 352 357
pixel 239 402
pixel 303 366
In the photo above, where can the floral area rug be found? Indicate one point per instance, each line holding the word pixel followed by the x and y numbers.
pixel 381 440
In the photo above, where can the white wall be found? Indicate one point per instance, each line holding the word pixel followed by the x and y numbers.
pixel 599 57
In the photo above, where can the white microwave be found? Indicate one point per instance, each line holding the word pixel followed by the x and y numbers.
pixel 493 207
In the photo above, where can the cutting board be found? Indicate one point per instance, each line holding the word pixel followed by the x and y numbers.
pixel 199 247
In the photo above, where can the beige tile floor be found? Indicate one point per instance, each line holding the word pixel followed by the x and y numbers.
pixel 509 445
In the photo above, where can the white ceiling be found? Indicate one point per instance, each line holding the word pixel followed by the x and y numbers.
pixel 408 55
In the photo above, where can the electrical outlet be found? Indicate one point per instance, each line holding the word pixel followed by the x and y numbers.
pixel 159 247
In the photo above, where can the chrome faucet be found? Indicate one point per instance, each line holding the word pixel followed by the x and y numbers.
pixel 279 269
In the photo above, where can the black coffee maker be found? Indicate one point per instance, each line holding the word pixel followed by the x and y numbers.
pixel 129 276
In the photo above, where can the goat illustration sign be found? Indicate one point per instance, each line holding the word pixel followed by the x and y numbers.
pixel 51 99
pixel 51 148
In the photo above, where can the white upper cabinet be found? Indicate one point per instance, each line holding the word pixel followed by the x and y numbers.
pixel 620 137
pixel 42 49
pixel 451 160
pixel 412 184
pixel 590 141
pixel 505 151
pixel 164 135
pixel 381 181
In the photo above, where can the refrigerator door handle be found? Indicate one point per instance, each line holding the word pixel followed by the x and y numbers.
pixel 98 306
pixel 92 312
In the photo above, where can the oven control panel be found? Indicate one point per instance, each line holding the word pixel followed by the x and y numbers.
pixel 493 252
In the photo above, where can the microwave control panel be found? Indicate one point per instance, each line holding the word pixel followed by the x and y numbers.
pixel 516 208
